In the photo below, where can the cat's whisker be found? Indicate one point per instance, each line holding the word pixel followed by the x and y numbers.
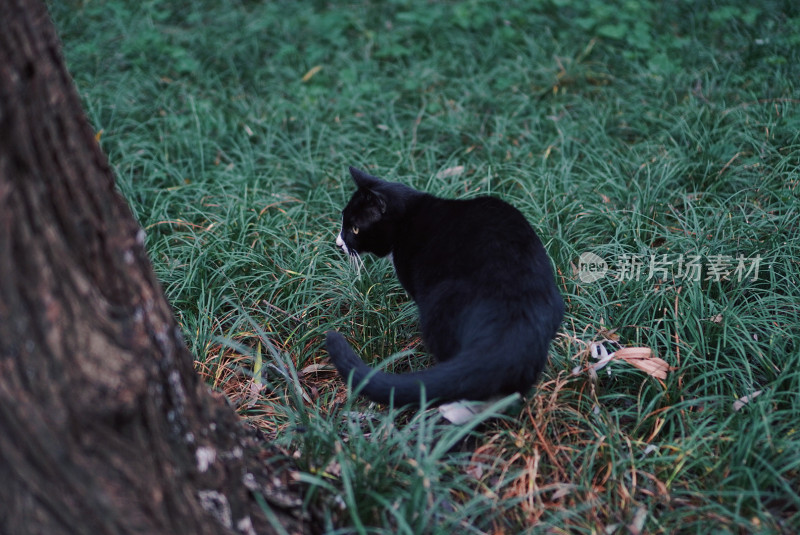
pixel 356 262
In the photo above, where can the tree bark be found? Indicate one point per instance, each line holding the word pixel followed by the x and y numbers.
pixel 104 425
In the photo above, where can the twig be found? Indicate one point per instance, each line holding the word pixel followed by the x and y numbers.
pixel 725 167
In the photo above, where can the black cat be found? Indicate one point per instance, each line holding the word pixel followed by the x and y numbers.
pixel 488 302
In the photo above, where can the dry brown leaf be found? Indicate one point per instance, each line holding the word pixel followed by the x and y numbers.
pixel 643 359
pixel 475 470
pixel 639 518
pixel 561 491
pixel 450 171
pixel 253 393
pixel 311 72
pixel 744 400
pixel 609 334
pixel 634 353
pixel 314 368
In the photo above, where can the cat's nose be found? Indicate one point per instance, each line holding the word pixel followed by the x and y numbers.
pixel 340 243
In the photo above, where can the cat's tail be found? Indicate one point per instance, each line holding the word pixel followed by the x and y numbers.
pixel 452 380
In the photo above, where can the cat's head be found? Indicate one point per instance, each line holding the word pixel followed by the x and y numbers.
pixel 369 219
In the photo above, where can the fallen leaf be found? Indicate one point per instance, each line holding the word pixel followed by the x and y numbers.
pixel 609 334
pixel 598 350
pixel 650 449
pixel 600 353
pixel 562 490
pixel 592 374
pixel 744 400
pixel 634 353
pixel 253 393
pixel 314 368
pixel 639 518
pixel 643 359
pixel 475 470
pixel 461 412
pixel 311 72
pixel 450 171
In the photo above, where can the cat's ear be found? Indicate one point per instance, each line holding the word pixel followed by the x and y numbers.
pixel 371 184
pixel 364 180
pixel 379 200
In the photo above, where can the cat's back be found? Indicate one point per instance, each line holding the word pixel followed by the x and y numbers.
pixel 478 227
pixel 495 223
pixel 484 240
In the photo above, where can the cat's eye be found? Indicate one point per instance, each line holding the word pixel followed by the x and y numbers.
pixel 355 230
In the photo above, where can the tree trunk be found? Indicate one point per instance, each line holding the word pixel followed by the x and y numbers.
pixel 104 426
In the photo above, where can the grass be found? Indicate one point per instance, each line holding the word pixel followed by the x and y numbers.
pixel 631 130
